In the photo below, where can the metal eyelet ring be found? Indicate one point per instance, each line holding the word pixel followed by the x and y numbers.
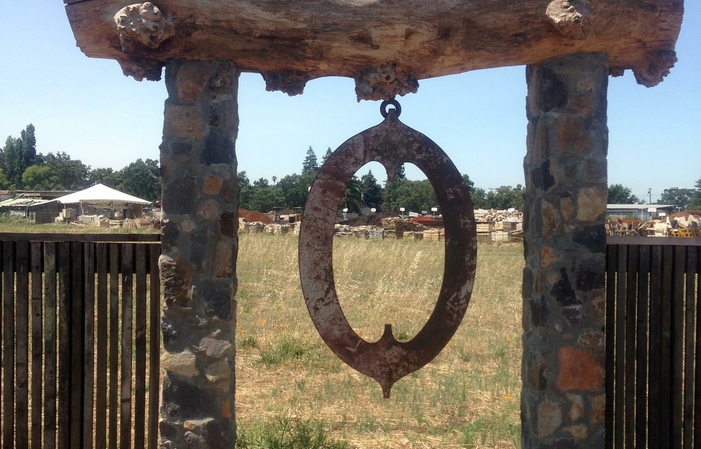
pixel 392 102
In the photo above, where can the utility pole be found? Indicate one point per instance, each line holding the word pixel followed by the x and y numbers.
pixel 649 194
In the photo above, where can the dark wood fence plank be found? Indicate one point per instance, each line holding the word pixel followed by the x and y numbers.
pixel 677 321
pixel 655 367
pixel 140 348
pixel 114 345
pixel 642 346
pixel 611 266
pixel 2 349
pixel 689 344
pixel 64 347
pixel 126 378
pixel 666 350
pixel 37 340
pixel 22 342
pixel 77 341
pixel 619 398
pixel 8 346
pixel 154 346
pixel 630 336
pixel 102 343
pixel 50 345
pixel 697 380
pixel 89 342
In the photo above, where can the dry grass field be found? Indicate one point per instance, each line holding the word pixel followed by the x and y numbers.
pixel 288 380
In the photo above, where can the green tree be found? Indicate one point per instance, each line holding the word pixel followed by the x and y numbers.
pixel 618 194
pixel 105 176
pixel 72 173
pixel 505 197
pixel 40 177
pixel 245 190
pixel 4 183
pixel 294 191
pixel 353 196
pixel 371 190
pixel 676 196
pixel 415 196
pixel 326 155
pixel 479 198
pixel 310 162
pixel 469 183
pixel 17 155
pixel 695 202
pixel 267 198
pixel 141 179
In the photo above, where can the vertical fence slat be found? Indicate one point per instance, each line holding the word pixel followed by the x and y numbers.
pixel 2 350
pixel 22 342
pixel 101 362
pixel 630 335
pixel 677 322
pixel 611 266
pixel 666 350
pixel 619 393
pixel 114 344
pixel 8 346
pixel 64 346
pixel 155 346
pixel 642 346
pixel 126 378
pixel 37 337
pixel 690 328
pixel 140 348
pixel 697 380
pixel 77 341
pixel 89 340
pixel 654 421
pixel 49 345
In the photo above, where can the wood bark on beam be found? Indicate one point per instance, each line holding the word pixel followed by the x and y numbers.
pixel 386 45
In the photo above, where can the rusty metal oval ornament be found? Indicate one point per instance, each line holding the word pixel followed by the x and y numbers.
pixel 392 144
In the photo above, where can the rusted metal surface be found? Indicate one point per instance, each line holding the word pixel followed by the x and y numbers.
pixel 391 143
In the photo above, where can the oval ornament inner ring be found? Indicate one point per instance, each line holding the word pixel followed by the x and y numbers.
pixel 392 144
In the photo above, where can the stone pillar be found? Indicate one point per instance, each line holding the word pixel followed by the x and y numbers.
pixel 563 398
pixel 198 264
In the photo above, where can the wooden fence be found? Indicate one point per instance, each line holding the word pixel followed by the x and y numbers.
pixel 653 340
pixel 80 340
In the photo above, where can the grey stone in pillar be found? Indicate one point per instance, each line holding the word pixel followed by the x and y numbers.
pixel 563 399
pixel 198 262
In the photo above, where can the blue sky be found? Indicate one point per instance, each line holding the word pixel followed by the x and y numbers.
pixel 88 109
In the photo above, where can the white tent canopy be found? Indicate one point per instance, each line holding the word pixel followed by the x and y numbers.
pixel 100 195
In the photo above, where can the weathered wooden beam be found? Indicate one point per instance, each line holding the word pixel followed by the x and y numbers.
pixel 386 45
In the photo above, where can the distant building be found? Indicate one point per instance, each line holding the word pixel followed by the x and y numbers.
pixel 643 212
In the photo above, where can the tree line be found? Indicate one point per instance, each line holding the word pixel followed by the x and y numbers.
pixel 23 168
pixel 290 192
pixel 678 197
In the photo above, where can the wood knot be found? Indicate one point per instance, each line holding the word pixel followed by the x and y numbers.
pixel 142 25
pixel 383 82
pixel 569 18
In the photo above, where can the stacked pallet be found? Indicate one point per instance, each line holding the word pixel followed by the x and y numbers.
pixel 393 227
pixel 434 235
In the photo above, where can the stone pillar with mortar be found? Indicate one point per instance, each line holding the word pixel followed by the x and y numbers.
pixel 198 263
pixel 563 397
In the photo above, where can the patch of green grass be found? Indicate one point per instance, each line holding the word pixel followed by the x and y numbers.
pixel 287 350
pixel 286 433
pixel 247 342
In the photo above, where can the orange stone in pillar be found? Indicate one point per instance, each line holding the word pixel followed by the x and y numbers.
pixel 579 370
